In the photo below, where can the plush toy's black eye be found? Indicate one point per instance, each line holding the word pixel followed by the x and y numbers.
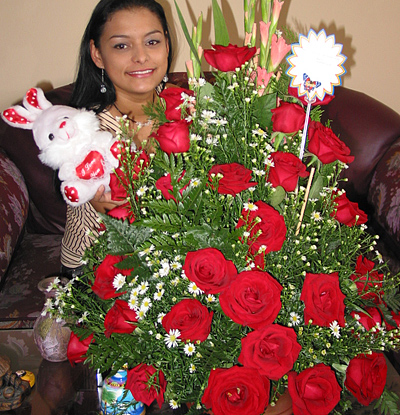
pixel 51 137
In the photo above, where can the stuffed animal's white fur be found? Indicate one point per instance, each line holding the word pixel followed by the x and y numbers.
pixel 70 140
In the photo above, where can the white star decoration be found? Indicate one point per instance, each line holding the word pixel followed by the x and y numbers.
pixel 316 65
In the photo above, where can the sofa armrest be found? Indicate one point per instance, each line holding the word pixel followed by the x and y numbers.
pixel 14 203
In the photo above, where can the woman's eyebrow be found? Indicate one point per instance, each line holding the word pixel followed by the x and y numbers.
pixel 126 36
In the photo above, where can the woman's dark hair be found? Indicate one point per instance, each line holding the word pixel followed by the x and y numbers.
pixel 86 93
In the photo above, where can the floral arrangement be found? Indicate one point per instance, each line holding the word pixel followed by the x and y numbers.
pixel 233 273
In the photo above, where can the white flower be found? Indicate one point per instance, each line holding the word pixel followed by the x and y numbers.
pixel 158 295
pixel 160 317
pixel 294 318
pixel 160 285
pixel 142 190
pixel 192 368
pixel 176 265
pixel 165 268
pixel 210 298
pixel 250 206
pixel 194 289
pixel 119 281
pixel 316 216
pixel 143 287
pixel 83 317
pixel 334 326
pixel 146 251
pixel 146 304
pixel 173 404
pixel 195 182
pixel 171 339
pixel 189 349
pixel 133 303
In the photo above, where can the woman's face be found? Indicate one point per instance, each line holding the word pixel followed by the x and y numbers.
pixel 133 51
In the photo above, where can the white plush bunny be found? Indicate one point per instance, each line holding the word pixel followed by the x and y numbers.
pixel 69 140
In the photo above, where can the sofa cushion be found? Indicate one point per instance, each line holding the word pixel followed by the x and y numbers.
pixel 384 195
pixel 47 208
pixel 14 204
pixel 368 128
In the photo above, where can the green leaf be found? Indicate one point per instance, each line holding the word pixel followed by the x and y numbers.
pixel 262 110
pixel 122 237
pixel 277 196
pixel 220 29
pixel 187 35
pixel 316 187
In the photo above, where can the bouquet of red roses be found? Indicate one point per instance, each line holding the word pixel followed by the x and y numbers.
pixel 231 275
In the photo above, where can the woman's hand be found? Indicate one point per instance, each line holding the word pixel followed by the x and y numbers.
pixel 102 201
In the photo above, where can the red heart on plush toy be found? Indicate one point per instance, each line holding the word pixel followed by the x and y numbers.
pixel 92 166
pixel 71 194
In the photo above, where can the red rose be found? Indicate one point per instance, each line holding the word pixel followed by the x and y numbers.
pixel 104 277
pixel 366 377
pixel 271 350
pixel 209 270
pixel 77 349
pixel 253 299
pixel 173 137
pixel 314 391
pixel 173 101
pixel 228 58
pixel 144 391
pixel 369 319
pixel 294 93
pixel 286 170
pixel 266 227
pixel 118 180
pixel 119 319
pixel 365 278
pixel 323 300
pixel 326 145
pixel 236 178
pixel 347 212
pixel 236 391
pixel 122 212
pixel 396 319
pixel 191 318
pixel 164 185
pixel 288 118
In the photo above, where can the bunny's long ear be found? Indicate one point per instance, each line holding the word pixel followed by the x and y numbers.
pixel 35 101
pixel 18 116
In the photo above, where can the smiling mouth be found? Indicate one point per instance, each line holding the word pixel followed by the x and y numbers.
pixel 145 72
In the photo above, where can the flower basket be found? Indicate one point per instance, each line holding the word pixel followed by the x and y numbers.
pixel 240 271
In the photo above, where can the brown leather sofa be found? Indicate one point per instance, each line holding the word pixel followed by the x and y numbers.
pixel 32 212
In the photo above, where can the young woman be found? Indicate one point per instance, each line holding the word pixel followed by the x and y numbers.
pixel 125 56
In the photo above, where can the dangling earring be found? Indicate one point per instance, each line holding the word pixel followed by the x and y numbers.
pixel 103 88
pixel 165 79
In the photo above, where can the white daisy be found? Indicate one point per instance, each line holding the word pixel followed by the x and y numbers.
pixel 194 289
pixel 160 317
pixel 210 298
pixel 146 304
pixel 189 349
pixel 146 251
pixel 143 287
pixel 192 368
pixel 173 404
pixel 171 339
pixel 158 295
pixel 294 318
pixel 334 326
pixel 176 265
pixel 316 216
pixel 142 190
pixel 119 281
pixel 159 285
pixel 250 206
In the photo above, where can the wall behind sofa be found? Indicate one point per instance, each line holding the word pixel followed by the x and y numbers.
pixel 39 39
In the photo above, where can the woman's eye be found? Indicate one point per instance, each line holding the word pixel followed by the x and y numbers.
pixel 120 46
pixel 153 42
